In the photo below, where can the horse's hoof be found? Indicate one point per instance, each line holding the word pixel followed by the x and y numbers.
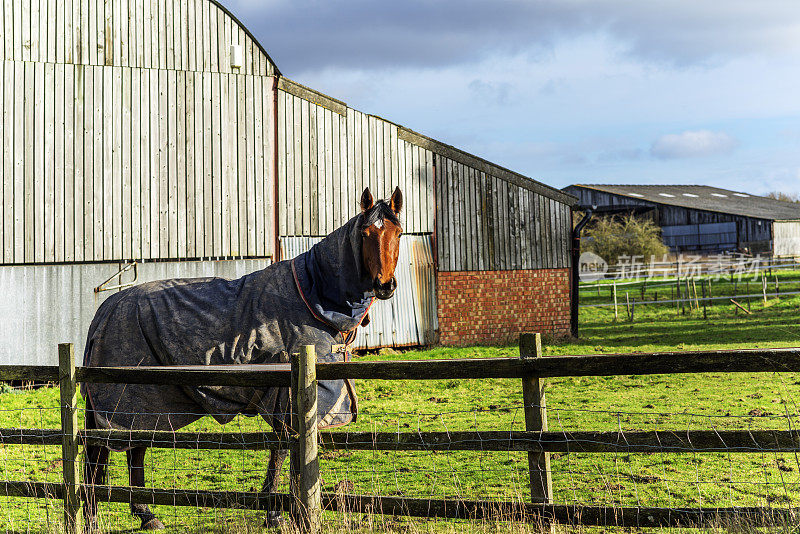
pixel 274 520
pixel 153 524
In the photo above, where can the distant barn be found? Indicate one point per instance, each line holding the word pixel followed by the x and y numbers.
pixel 702 218
pixel 160 134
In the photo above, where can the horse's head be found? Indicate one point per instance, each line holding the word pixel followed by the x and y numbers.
pixel 380 242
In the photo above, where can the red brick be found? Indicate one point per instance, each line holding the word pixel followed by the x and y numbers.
pixel 496 306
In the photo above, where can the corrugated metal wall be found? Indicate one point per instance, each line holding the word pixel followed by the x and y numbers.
pixel 488 223
pixel 326 157
pixel 44 305
pixel 786 238
pixel 132 152
pixel 409 317
pixel 712 236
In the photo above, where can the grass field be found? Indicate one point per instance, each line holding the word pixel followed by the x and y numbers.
pixel 674 402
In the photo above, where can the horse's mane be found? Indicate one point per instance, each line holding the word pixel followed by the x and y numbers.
pixel 380 211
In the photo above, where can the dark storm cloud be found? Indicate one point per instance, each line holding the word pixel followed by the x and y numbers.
pixel 362 34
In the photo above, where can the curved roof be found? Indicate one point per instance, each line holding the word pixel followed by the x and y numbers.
pixel 248 33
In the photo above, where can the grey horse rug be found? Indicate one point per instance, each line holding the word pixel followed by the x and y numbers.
pixel 318 298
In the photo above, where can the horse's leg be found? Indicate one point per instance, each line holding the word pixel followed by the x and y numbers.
pixel 136 473
pixel 94 473
pixel 276 460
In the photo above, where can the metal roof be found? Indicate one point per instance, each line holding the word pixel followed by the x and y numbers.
pixel 706 198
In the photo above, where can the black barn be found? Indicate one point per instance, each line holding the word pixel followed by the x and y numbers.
pixel 704 219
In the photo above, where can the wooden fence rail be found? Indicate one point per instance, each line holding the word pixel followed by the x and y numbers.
pixel 306 500
pixel 709 361
pixel 691 441
pixel 621 516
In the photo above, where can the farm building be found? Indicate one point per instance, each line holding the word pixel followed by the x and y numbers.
pixel 150 139
pixel 705 219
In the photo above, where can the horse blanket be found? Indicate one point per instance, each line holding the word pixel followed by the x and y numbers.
pixel 319 299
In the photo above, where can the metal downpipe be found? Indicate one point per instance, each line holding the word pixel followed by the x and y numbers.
pixel 574 279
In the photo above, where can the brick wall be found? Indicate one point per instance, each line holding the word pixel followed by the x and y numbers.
pixel 494 307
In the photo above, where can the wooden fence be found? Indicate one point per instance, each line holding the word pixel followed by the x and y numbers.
pixel 306 499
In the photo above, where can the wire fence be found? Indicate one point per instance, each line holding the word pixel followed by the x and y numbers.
pixel 429 456
pixel 703 295
pixel 634 269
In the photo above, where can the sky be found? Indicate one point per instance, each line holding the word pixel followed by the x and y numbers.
pixel 565 91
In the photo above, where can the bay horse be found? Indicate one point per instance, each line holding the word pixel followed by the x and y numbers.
pixel 318 298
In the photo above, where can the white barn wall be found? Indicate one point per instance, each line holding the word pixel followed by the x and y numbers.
pixel 44 305
pixel 786 238
pixel 188 35
pixel 128 134
pixel 328 153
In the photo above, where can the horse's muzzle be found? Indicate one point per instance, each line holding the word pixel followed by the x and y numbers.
pixel 384 290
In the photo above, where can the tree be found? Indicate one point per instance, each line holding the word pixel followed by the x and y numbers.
pixel 613 237
pixel 786 197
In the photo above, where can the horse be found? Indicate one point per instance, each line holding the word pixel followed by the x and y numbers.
pixel 318 298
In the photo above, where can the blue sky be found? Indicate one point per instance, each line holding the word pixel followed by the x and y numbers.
pixel 566 91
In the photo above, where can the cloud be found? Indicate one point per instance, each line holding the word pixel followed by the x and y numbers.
pixel 364 34
pixel 620 154
pixel 692 144
pixel 496 93
pixel 552 86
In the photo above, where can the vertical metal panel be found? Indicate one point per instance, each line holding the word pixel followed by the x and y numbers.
pixel 75 107
pixel 79 203
pixel 44 305
pixel 161 34
pixel 409 317
pixel 786 238
pixel 319 145
pixel 487 223
pixel 441 203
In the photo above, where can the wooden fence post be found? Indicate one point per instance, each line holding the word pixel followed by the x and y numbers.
pixel 530 346
pixel 305 461
pixel 628 306
pixel 614 289
pixel 705 303
pixel 69 435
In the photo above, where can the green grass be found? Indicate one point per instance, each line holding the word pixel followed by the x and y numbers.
pixel 674 402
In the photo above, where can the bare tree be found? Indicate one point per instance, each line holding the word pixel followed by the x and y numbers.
pixel 786 197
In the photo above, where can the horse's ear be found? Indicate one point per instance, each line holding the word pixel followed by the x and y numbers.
pixel 366 200
pixel 396 202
